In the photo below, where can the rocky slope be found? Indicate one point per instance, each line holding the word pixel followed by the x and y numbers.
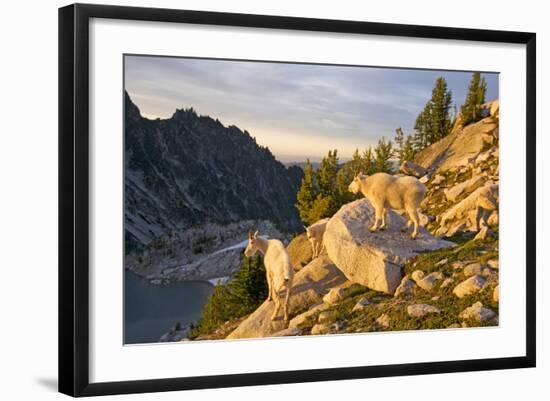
pixel 463 144
pixel 385 281
pixel 463 178
pixel 188 170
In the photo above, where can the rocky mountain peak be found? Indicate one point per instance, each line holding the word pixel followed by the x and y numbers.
pixel 190 170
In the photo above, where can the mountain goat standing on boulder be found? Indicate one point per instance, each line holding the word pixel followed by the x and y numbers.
pixel 386 191
pixel 278 268
pixel 315 234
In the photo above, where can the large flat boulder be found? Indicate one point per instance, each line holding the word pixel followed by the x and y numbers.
pixel 373 259
pixel 309 286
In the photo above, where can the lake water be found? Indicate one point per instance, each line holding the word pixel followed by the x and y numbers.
pixel 151 310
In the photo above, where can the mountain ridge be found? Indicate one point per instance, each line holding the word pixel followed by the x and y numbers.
pixel 167 161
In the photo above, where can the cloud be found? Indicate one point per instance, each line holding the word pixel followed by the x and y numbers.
pixel 292 108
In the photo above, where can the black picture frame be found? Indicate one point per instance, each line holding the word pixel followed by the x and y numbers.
pixel 74 198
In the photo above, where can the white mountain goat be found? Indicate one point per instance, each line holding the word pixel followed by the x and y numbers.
pixel 386 191
pixel 278 268
pixel 315 234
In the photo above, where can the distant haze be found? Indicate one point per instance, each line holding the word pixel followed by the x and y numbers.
pixel 298 110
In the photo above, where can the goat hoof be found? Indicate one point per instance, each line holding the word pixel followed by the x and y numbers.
pixel 372 229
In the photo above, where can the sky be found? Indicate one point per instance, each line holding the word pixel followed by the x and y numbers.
pixel 298 110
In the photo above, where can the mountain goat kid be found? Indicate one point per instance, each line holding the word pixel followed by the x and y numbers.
pixel 386 191
pixel 278 269
pixel 315 234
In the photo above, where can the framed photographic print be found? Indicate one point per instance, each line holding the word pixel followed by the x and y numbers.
pixel 250 199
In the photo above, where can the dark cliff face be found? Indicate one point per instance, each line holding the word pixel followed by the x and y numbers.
pixel 190 169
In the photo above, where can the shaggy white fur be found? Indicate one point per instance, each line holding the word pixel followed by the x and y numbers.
pixel 278 269
pixel 315 234
pixel 386 191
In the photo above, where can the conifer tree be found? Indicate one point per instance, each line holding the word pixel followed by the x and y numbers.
pixel 249 284
pixel 408 148
pixel 404 149
pixel 440 124
pixel 306 195
pixel 343 178
pixel 356 162
pixel 367 165
pixel 421 127
pixel 383 151
pixel 326 175
pixel 434 122
pixel 470 110
pixel 242 295
pixel 322 207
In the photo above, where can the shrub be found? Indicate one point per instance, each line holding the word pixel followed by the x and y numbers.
pixel 239 297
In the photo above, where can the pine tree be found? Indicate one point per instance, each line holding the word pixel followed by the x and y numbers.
pixel 356 162
pixel 306 195
pixel 322 207
pixel 404 149
pixel 440 124
pixel 482 91
pixel 326 175
pixel 367 165
pixel 249 285
pixel 421 127
pixel 434 122
pixel 383 151
pixel 343 178
pixel 242 295
pixel 408 148
pixel 470 110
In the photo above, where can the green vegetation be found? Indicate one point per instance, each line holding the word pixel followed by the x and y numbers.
pixel 326 174
pixel 443 298
pixel 471 110
pixel 384 152
pixel 468 250
pixel 246 291
pixel 404 146
pixel 322 207
pixel 306 194
pixel 434 122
